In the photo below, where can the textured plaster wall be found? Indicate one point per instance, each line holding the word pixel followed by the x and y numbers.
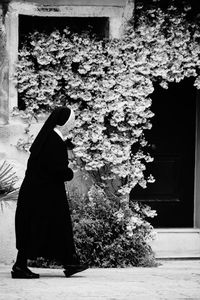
pixel 75 2
pixel 9 134
pixel 3 69
pixel 7 234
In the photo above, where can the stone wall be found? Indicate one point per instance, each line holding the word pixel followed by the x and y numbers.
pixel 3 69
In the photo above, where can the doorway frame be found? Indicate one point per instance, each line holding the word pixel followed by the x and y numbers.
pixel 197 165
pixel 117 16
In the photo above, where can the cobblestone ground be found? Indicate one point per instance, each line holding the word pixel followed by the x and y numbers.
pixel 172 280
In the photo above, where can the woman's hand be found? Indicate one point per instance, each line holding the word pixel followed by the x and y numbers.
pixel 71 155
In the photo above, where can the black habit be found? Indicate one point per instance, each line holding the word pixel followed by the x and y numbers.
pixel 43 222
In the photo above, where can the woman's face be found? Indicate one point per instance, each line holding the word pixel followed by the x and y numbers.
pixel 69 125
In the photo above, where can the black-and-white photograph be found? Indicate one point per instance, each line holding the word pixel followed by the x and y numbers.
pixel 99 149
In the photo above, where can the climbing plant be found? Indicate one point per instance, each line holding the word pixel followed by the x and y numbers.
pixel 110 102
pixel 109 85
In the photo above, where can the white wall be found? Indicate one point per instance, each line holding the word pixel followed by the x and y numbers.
pixel 7 233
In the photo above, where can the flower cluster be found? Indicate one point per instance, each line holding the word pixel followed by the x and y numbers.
pixel 107 94
pixel 134 219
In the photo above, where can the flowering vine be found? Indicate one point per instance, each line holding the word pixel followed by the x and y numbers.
pixel 109 85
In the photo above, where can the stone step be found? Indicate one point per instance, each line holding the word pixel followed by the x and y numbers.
pixel 177 243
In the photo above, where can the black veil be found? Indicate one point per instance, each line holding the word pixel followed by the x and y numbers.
pixel 58 117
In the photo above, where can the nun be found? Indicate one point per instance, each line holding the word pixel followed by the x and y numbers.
pixel 43 224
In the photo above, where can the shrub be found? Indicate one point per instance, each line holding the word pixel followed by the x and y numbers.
pixel 8 179
pixel 107 236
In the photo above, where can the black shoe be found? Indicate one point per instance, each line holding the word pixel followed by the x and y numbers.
pixel 24 273
pixel 73 269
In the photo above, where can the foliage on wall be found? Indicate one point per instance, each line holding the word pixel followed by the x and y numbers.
pixel 169 42
pixel 110 101
pixel 109 84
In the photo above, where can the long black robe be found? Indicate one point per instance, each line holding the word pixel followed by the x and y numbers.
pixel 43 223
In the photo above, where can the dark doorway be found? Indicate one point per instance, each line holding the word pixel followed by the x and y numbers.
pixel 173 146
pixel 28 24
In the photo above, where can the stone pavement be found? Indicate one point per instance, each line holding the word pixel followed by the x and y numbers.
pixel 176 279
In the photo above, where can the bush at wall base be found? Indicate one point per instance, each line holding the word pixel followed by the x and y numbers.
pixel 107 236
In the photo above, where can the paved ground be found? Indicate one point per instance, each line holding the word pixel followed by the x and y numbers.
pixel 171 280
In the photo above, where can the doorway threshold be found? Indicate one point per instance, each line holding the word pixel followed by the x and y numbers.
pixel 176 243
